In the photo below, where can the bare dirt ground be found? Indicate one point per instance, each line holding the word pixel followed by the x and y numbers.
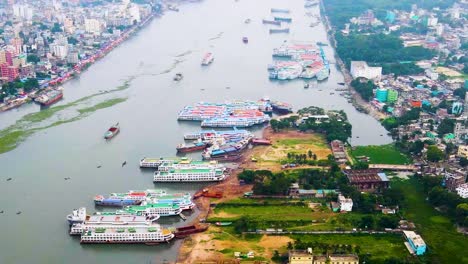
pixel 203 247
pixel 284 142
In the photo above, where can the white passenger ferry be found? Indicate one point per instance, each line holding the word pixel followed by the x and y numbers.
pixel 111 221
pixel 77 216
pixel 190 175
pixel 127 235
pixel 150 209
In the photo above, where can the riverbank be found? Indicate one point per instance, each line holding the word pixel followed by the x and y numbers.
pixel 81 66
pixel 358 102
pixel 205 246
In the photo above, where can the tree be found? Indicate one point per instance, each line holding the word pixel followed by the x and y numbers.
pixel 367 222
pixel 56 28
pixel 463 162
pixel 446 126
pixel 386 221
pixel 460 92
pixel 33 58
pixel 434 154
pixel 462 213
pixel 309 154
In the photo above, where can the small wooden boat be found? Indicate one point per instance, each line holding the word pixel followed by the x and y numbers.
pixel 223 223
pixel 112 131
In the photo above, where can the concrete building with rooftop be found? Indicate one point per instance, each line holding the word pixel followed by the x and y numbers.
pixel 415 244
pixel 370 180
pixel 361 69
pixel 307 257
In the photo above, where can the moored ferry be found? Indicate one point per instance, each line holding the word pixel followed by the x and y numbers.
pixel 190 164
pixel 129 198
pixel 213 134
pixel 130 235
pixel 151 162
pixel 190 175
pixel 183 148
pixel 149 209
pixel 49 97
pixel 111 221
pixel 77 216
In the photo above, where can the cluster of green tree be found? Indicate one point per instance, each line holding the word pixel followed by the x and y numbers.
pixel 449 203
pixel 378 49
pixel 268 183
pixel 11 88
pixel 364 257
pixel 341 11
pixel 324 248
pixel 401 68
pixel 301 158
pixel 336 127
pixel 283 123
pixel 447 125
pixel 32 58
pixel 392 122
pixel 364 88
pixel 311 110
pixel 56 28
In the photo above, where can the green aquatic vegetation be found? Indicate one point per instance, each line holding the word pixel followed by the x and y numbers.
pixel 101 105
pixel 13 135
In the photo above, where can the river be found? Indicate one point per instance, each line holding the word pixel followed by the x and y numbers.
pixel 176 41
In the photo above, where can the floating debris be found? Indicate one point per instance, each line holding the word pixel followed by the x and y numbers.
pixel 9 179
pixel 99 166
pixel 19 212
pixel 67 178
pixel 124 163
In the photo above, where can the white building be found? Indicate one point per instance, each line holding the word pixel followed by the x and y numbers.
pixel 23 11
pixel 462 190
pixel 346 204
pixel 433 75
pixel 92 26
pixel 59 50
pixel 361 69
pixel 134 12
pixel 439 29
pixel 432 21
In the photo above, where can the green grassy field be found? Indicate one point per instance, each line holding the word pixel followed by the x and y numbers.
pixel 384 154
pixel 283 213
pixel 445 244
pixel 377 247
pixel 316 140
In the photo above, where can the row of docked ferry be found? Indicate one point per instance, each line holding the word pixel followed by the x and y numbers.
pixel 185 170
pixel 230 114
pixel 299 61
pixel 110 228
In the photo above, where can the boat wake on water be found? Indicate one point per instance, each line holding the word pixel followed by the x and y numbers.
pixel 220 34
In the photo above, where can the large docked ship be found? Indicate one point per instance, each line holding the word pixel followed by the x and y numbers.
pixel 213 134
pixel 229 122
pixel 281 107
pixel 230 114
pixel 77 216
pixel 127 235
pixel 201 174
pixel 149 209
pixel 49 97
pixel 111 221
pixel 137 197
pixel 299 61
pixel 185 148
